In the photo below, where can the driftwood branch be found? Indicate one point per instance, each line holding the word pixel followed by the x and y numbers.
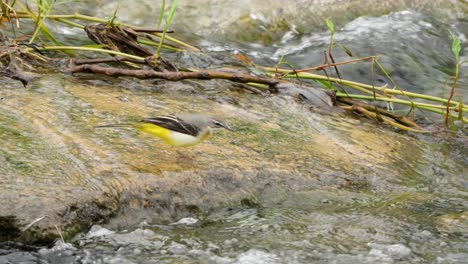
pixel 364 108
pixel 174 76
pixel 375 115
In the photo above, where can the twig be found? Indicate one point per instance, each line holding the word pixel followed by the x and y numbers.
pixel 174 76
pixel 452 92
pixel 375 116
pixel 60 233
pixel 33 222
pixel 326 65
pixel 401 119
pixel 149 30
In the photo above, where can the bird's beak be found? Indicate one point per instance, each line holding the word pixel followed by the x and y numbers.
pixel 217 124
pixel 227 127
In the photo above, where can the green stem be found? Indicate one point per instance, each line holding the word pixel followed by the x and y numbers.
pixel 356 85
pixel 258 85
pixel 70 23
pixel 440 109
pixel 152 43
pixel 100 20
pixel 393 100
pixel 89 49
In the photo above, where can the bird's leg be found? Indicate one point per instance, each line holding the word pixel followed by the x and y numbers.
pixel 182 157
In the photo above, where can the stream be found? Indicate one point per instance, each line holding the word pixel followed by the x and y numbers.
pixel 417 216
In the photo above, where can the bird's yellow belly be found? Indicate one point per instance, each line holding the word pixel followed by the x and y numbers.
pixel 181 140
pixel 171 137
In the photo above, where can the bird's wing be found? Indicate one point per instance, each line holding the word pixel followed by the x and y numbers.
pixel 173 123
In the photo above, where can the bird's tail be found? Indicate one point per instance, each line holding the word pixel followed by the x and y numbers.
pixel 115 125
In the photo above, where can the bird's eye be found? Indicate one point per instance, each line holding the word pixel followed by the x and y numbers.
pixel 218 124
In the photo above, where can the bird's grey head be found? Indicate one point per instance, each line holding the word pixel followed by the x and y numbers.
pixel 213 123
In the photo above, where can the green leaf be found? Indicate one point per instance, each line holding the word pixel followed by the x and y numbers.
pixel 325 84
pixel 456 45
pixel 166 26
pixel 453 127
pixel 345 49
pixel 40 27
pixel 161 13
pixel 330 25
pixel 171 13
pixel 114 15
pixel 281 59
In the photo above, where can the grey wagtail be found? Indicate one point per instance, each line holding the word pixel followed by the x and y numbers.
pixel 181 130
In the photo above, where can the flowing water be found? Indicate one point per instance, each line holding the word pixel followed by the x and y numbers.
pixel 425 223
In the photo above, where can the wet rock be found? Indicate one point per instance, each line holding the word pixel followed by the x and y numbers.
pixel 319 98
pixel 55 167
pixel 456 223
pixel 97 231
pixel 395 251
pixel 21 257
